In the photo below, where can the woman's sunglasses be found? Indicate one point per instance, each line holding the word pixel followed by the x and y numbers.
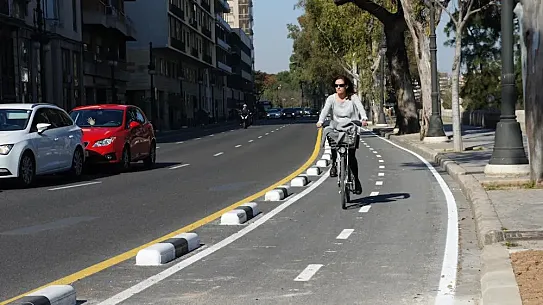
pixel 339 85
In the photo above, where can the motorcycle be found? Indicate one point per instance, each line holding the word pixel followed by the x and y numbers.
pixel 245 121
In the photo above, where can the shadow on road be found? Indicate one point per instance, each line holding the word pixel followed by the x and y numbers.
pixel 382 198
pixel 91 173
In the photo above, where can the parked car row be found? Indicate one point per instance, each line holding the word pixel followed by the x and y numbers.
pixel 290 113
pixel 40 139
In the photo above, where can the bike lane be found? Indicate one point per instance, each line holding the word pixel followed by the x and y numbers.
pixel 386 248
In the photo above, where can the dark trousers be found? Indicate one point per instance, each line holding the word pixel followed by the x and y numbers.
pixel 353 163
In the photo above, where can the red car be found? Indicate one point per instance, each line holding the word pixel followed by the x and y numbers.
pixel 118 134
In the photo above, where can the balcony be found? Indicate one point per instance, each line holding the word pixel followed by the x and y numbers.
pixel 95 66
pixel 99 13
pixel 177 44
pixel 178 12
pixel 223 44
pixel 15 10
pixel 194 23
pixel 225 6
pixel 223 23
pixel 207 33
pixel 224 67
pixel 248 76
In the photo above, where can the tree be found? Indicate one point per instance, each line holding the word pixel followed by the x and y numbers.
pixel 532 14
pixel 260 83
pixel 464 10
pixel 395 25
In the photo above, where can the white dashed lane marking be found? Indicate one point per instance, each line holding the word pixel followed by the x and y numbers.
pixel 345 234
pixel 381 161
pixel 238 146
pixel 308 273
pixel 364 209
pixel 381 166
pixel 378 182
pixel 179 166
pixel 218 154
pixel 75 185
pixel 250 141
pixel 374 194
pixel 380 174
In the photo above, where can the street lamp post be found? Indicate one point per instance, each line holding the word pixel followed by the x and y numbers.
pixel 435 133
pixel 508 156
pixel 152 71
pixel 40 37
pixel 381 118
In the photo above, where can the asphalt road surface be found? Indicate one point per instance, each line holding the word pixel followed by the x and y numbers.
pixel 62 226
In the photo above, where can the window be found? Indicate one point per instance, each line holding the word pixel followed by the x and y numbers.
pixel 139 116
pixel 52 9
pixel 39 118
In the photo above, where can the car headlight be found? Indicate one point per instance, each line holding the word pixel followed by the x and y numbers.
pixel 5 149
pixel 104 142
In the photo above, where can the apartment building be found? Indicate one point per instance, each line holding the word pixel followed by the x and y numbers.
pixel 223 61
pixel 241 15
pixel 106 29
pixel 241 80
pixel 179 47
pixel 40 53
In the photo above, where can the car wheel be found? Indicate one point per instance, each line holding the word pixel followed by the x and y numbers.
pixel 77 163
pixel 124 165
pixel 151 159
pixel 27 170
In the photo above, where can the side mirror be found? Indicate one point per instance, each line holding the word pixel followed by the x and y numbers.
pixel 133 124
pixel 42 127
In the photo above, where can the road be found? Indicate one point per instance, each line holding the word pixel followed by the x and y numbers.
pixel 389 247
pixel 61 226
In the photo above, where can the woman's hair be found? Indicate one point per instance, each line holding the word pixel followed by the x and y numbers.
pixel 350 88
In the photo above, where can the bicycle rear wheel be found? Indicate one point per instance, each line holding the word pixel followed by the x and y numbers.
pixel 343 191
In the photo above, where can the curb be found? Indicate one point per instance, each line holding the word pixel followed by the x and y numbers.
pixel 498 282
pixel 277 194
pixel 300 181
pixel 240 215
pixel 52 295
pixel 168 250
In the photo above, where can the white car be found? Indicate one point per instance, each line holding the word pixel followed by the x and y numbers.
pixel 38 139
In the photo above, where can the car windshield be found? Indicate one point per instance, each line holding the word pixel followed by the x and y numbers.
pixel 98 117
pixel 14 119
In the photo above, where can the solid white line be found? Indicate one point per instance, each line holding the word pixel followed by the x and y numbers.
pixel 250 141
pixel 364 209
pixel 75 185
pixel 308 273
pixel 378 182
pixel 155 279
pixel 180 142
pixel 179 166
pixel 345 234
pixel 380 174
pixel 374 194
pixel 447 281
pixel 381 161
pixel 381 166
pixel 218 154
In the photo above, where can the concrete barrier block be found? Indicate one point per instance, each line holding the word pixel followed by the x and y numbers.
pixel 168 250
pixel 274 195
pixel 51 295
pixel 313 171
pixel 299 181
pixel 322 163
pixel 327 157
pixel 234 217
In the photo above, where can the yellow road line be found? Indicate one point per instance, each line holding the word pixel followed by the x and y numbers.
pixel 131 253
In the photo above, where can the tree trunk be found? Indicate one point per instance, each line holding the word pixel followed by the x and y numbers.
pixel 457 126
pixel 407 116
pixel 532 14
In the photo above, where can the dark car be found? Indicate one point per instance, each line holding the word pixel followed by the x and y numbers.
pixel 289 113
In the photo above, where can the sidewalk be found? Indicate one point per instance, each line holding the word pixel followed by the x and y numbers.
pixel 508 214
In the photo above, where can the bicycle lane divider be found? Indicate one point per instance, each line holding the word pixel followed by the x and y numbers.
pixel 84 273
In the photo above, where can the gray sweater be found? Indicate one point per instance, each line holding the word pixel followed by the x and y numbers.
pixel 343 112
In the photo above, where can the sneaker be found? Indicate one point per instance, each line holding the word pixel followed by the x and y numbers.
pixel 333 171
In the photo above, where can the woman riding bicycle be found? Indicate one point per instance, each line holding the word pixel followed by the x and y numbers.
pixel 346 107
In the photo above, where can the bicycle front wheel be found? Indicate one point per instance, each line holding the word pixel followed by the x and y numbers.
pixel 343 191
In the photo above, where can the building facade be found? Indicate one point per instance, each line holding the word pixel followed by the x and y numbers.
pixel 180 64
pixel 241 15
pixel 106 29
pixel 40 54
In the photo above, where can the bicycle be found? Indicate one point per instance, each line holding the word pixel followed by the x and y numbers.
pixel 345 176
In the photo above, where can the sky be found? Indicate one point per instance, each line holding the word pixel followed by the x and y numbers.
pixel 273 48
